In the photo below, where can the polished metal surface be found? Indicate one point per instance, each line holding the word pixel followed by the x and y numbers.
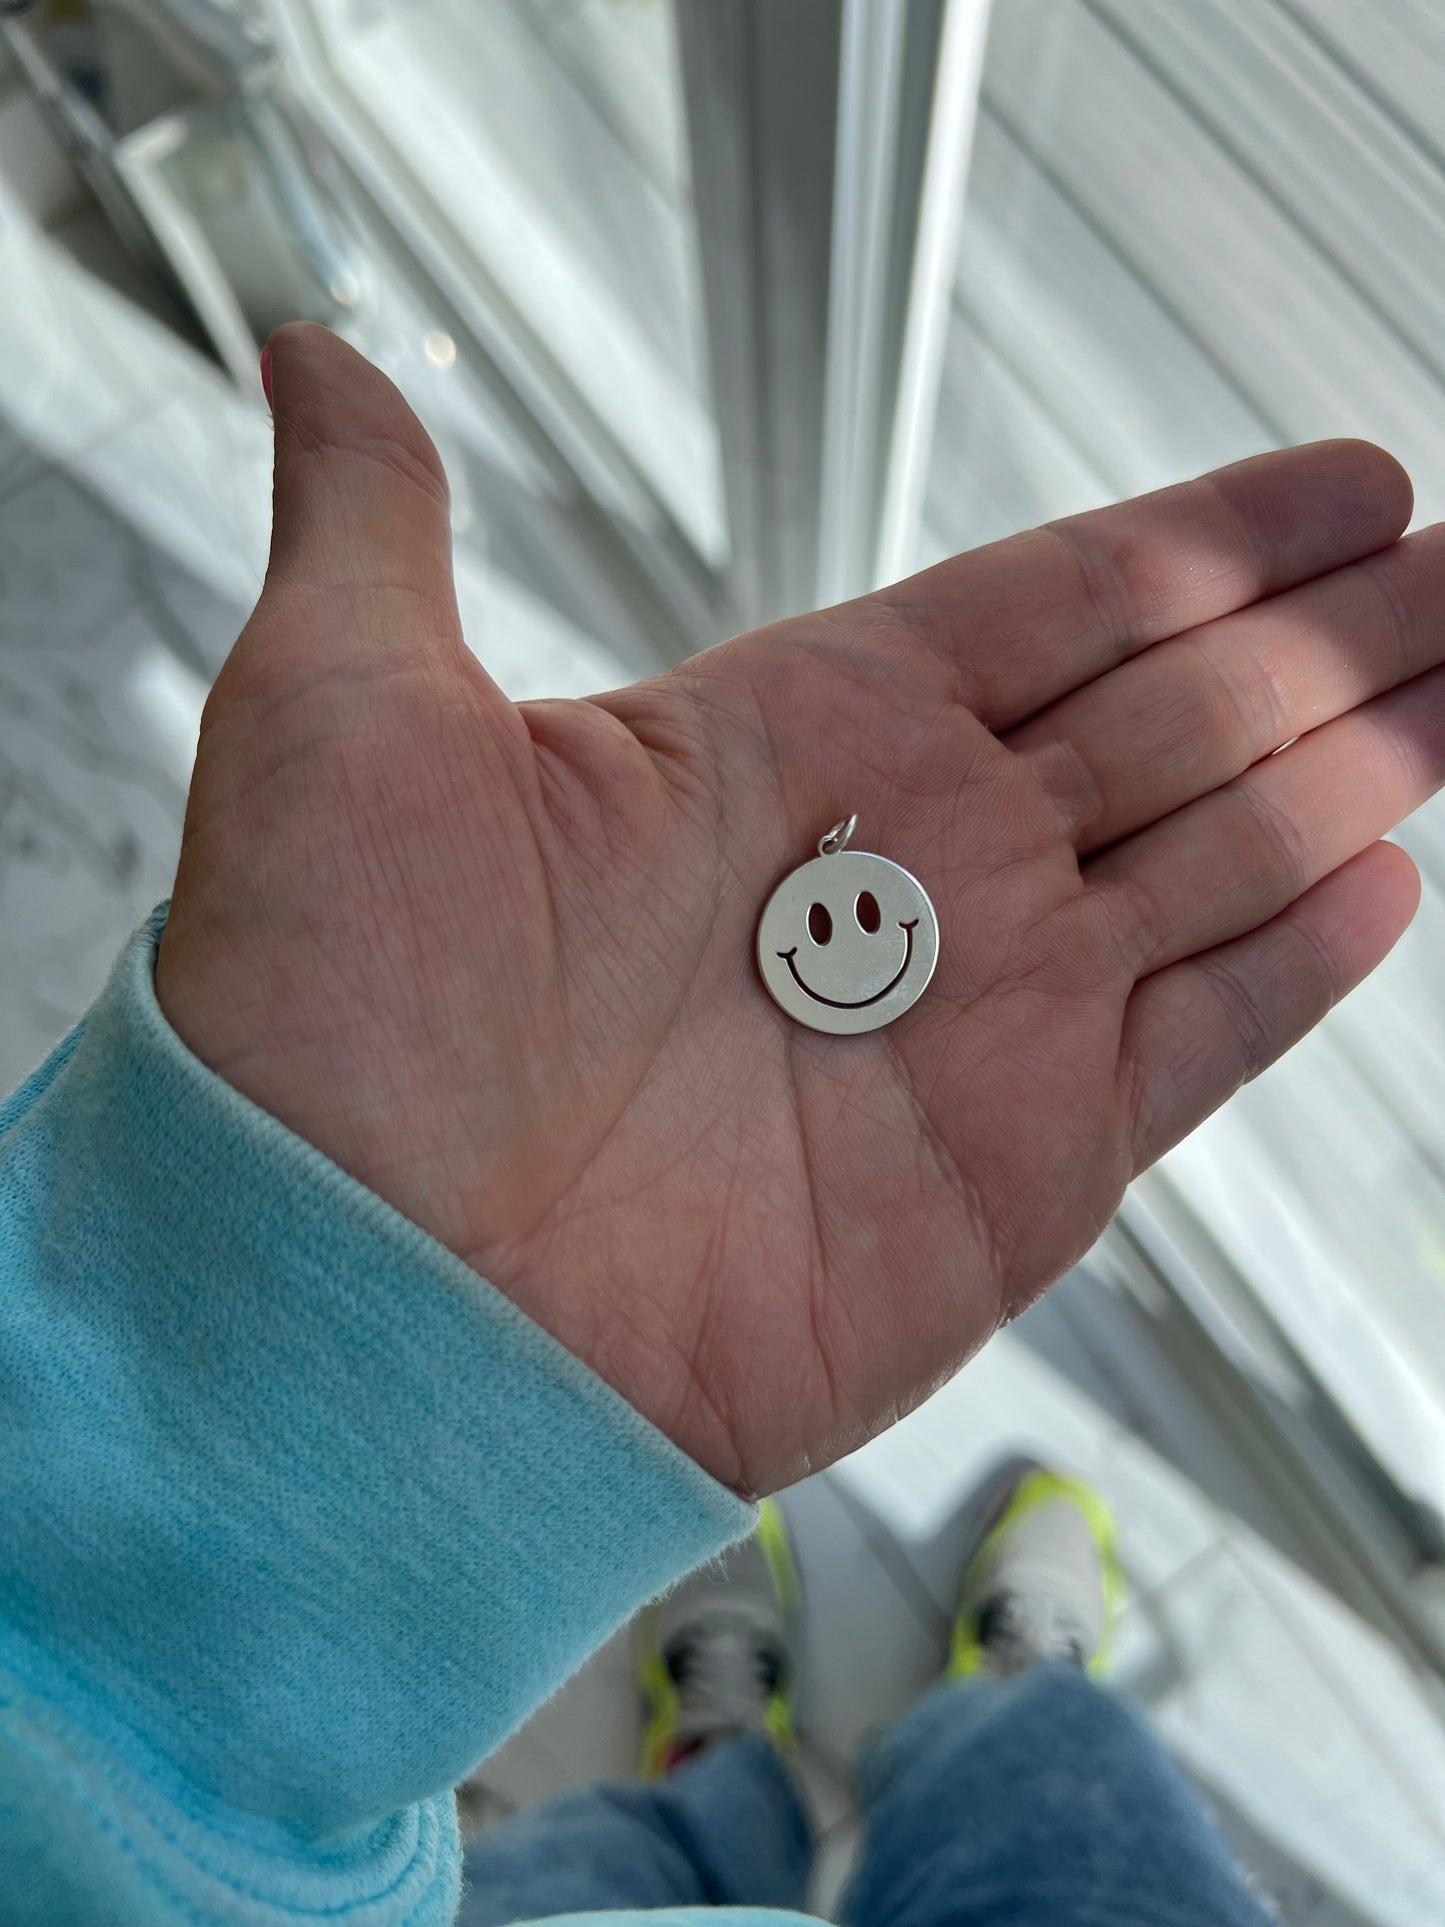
pixel 847 941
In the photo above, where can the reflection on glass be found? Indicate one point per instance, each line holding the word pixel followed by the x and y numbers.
pixel 547 146
pixel 1194 232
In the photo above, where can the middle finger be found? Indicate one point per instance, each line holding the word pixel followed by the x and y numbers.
pixel 1195 712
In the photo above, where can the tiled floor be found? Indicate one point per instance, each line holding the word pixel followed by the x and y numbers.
pixel 132 528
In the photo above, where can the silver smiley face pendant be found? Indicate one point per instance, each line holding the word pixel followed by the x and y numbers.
pixel 847 941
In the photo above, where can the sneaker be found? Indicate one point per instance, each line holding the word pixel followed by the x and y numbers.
pixel 715 1656
pixel 1044 1580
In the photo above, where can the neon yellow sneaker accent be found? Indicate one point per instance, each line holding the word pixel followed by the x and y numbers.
pixel 660 1697
pixel 662 1701
pixel 772 1536
pixel 1040 1487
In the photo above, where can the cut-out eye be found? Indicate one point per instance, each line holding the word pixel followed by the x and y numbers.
pixel 820 924
pixel 867 912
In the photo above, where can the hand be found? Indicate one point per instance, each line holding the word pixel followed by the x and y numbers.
pixel 497 960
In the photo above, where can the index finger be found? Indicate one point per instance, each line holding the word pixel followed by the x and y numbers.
pixel 1025 621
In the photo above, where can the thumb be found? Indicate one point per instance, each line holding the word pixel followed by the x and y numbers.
pixel 360 498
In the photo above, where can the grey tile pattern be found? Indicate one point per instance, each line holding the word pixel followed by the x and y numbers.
pixel 1291 1743
pixel 20 463
pixel 106 648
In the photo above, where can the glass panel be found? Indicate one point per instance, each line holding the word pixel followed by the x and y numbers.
pixel 544 146
pixel 1197 229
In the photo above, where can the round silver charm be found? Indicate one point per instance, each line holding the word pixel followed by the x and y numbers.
pixel 847 941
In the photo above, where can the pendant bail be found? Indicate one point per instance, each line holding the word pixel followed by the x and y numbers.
pixel 837 837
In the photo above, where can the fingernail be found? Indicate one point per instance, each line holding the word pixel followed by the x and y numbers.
pixel 266 374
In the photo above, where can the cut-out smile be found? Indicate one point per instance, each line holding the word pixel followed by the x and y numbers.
pixel 863 1002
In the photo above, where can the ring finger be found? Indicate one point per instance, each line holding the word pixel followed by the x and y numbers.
pixel 1229 862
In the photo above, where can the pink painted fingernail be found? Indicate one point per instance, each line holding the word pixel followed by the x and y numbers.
pixel 266 374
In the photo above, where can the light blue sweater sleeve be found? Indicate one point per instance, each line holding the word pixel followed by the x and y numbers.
pixel 298 1517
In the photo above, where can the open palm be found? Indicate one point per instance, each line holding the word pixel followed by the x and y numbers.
pixel 497 960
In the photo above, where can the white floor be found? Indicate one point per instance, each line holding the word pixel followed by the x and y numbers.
pixel 133 509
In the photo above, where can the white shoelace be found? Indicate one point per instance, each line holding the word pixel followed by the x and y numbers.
pixel 1019 1630
pixel 725 1675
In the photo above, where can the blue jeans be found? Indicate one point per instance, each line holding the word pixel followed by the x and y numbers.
pixel 1040 1801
